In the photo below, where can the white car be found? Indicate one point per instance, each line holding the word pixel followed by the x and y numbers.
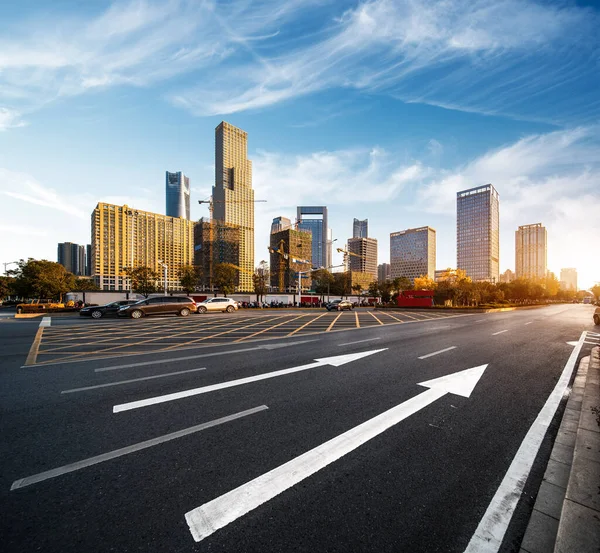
pixel 218 304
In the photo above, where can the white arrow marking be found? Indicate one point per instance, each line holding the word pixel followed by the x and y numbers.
pixel 219 512
pixel 572 343
pixel 336 361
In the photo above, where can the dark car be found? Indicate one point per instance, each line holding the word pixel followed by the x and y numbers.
pixel 339 305
pixel 597 316
pixel 108 310
pixel 161 305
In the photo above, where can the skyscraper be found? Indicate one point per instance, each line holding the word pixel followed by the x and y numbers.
pixel 568 279
pixel 314 219
pixel 215 242
pixel 412 253
pixel 384 272
pixel 233 196
pixel 478 233
pixel 177 188
pixel 290 254
pixel 280 223
pixel 124 238
pixel 360 229
pixel 531 251
pixel 72 258
pixel 364 259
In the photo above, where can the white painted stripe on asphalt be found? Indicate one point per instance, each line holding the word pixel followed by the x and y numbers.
pixel 129 381
pixel 479 320
pixel 436 352
pixel 21 483
pixel 359 341
pixel 496 333
pixel 593 343
pixel 219 512
pixel 46 321
pixel 492 527
pixel 528 323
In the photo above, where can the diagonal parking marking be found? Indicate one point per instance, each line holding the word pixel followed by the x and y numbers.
pixel 356 319
pixel 333 322
pixel 393 317
pixel 372 315
pixel 272 327
pixel 306 324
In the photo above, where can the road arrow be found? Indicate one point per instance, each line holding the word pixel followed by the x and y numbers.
pixel 336 361
pixel 219 512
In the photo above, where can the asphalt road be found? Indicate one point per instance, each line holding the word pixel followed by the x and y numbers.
pixel 419 484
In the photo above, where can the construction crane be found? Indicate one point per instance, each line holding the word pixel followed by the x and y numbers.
pixel 211 203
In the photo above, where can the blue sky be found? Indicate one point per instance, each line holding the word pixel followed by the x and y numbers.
pixel 379 110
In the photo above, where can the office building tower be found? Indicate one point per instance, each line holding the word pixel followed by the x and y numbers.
pixel 124 238
pixel 72 258
pixel 507 276
pixel 314 219
pixel 531 251
pixel 215 242
pixel 88 260
pixel 233 196
pixel 177 187
pixel 291 252
pixel 279 224
pixel 478 233
pixel 360 229
pixel 568 279
pixel 384 272
pixel 362 256
pixel 412 253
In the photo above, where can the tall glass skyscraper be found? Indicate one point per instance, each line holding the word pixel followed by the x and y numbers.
pixel 531 251
pixel 177 187
pixel 73 258
pixel 412 253
pixel 314 219
pixel 478 233
pixel 360 229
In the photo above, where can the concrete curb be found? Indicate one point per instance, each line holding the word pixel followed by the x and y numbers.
pixel 566 515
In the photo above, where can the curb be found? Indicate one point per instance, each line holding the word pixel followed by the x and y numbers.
pixel 566 514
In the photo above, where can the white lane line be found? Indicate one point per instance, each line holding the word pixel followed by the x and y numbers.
pixel 496 333
pixel 436 352
pixel 21 483
pixel 129 381
pixel 492 527
pixel 46 321
pixel 359 341
pixel 528 323
pixel 479 320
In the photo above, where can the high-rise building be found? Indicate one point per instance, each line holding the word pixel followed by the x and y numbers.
pixel 88 260
pixel 531 243
pixel 177 188
pixel 314 219
pixel 279 224
pixel 360 229
pixel 507 276
pixel 412 253
pixel 233 196
pixel 124 238
pixel 362 256
pixel 72 257
pixel 290 254
pixel 384 272
pixel 215 242
pixel 568 279
pixel 478 233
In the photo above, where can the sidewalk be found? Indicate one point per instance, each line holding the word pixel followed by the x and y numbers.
pixel 566 515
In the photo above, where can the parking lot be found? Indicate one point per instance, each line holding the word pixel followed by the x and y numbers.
pixel 77 339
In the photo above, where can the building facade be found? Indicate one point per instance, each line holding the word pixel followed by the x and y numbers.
pixel 384 272
pixel 280 223
pixel 177 190
pixel 507 276
pixel 314 220
pixel 568 279
pixel 124 238
pixel 73 258
pixel 233 196
pixel 478 233
pixel 412 253
pixel 291 252
pixel 215 242
pixel 362 256
pixel 531 251
pixel 360 229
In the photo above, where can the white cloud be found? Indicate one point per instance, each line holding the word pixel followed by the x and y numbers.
pixel 10 119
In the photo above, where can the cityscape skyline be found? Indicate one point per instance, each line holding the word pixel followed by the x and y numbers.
pixel 347 131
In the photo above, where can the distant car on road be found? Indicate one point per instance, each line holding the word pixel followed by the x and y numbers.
pixel 339 305
pixel 597 316
pixel 161 305
pixel 218 304
pixel 108 310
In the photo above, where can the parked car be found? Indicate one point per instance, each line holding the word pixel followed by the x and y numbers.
pixel 597 316
pixel 108 310
pixel 339 305
pixel 161 305
pixel 218 304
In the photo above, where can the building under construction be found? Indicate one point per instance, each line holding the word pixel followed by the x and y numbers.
pixel 215 242
pixel 290 254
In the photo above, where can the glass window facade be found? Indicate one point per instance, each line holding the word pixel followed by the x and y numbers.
pixel 412 253
pixel 177 188
pixel 317 225
pixel 531 251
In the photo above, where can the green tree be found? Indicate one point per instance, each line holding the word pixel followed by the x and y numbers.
pixel 226 276
pixel 385 290
pixel 596 291
pixel 342 284
pixel 357 289
pixel 84 284
pixel 423 282
pixel 322 280
pixel 41 279
pixel 143 280
pixel 5 287
pixel 374 290
pixel 401 283
pixel 260 280
pixel 189 277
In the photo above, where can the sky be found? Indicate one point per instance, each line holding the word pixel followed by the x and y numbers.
pixel 380 110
